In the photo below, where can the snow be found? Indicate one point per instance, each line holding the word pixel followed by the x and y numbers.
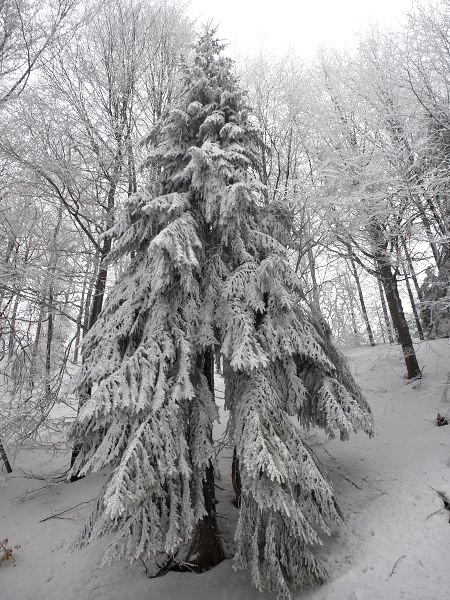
pixel 395 544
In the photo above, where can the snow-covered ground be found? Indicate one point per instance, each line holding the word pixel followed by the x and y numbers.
pixel 395 544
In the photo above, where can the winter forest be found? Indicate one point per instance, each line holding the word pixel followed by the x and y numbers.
pixel 224 309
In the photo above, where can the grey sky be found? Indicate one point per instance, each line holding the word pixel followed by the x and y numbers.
pixel 277 25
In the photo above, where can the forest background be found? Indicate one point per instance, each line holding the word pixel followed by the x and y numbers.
pixel 356 148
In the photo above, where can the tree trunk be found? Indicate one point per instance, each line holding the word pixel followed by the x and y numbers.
pixel 354 325
pixel 48 348
pixel 387 320
pixel 362 302
pixel 12 330
pixel 411 270
pixel 92 279
pixel 206 549
pixel 381 326
pixel 99 291
pixel 100 284
pixel 76 348
pixel 236 478
pixel 413 304
pixel 427 226
pixel 389 281
pixel 37 337
pixel 5 458
pixel 6 260
pixel 312 270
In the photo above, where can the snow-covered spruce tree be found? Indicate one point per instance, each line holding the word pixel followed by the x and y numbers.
pixel 209 272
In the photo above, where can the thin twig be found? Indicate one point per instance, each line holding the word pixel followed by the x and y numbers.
pixel 350 481
pixel 329 453
pixel 67 510
pixel 396 563
pixel 433 513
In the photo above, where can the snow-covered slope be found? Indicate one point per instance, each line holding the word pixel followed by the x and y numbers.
pixel 395 544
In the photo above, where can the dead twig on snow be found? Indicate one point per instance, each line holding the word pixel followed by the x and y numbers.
pixel 395 564
pixel 56 515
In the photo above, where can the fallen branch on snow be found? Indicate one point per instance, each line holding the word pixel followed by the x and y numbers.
pixel 56 515
pixel 443 496
pixel 395 564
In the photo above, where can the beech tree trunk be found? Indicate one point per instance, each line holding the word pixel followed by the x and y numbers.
pixel 77 343
pixel 4 457
pixel 413 305
pixel 102 275
pixel 363 304
pixel 381 326
pixel 411 270
pixel 387 320
pixel 37 337
pixel 389 280
pixel 48 349
pixel 312 271
pixel 100 285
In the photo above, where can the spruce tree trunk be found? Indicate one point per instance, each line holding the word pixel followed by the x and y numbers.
pixel 389 281
pixel 236 478
pixel 206 549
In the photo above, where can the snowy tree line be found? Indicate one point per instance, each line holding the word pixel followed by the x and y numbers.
pixel 155 214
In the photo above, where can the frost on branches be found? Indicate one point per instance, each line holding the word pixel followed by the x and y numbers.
pixel 209 272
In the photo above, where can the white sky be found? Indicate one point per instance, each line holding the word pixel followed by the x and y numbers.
pixel 278 25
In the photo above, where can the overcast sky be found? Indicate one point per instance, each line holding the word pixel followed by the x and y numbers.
pixel 277 25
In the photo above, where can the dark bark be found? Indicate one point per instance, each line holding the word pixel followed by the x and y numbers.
pixel 206 549
pixel 4 457
pixel 389 281
pixel 388 278
pixel 100 284
pixel 102 275
pixel 236 478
